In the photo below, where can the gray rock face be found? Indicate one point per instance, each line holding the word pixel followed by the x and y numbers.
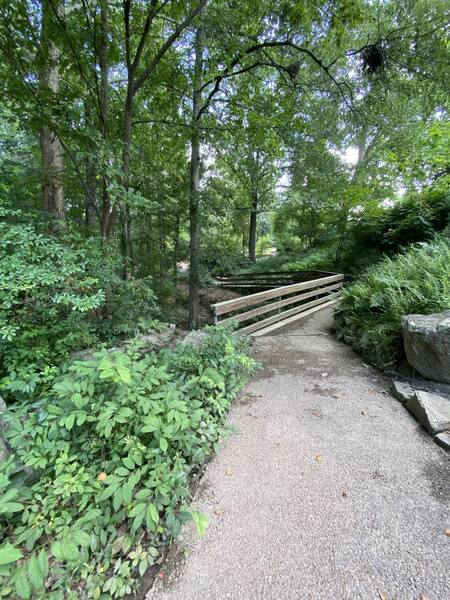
pixel 427 344
pixel 402 391
pixel 431 410
pixel 195 338
pixel 443 439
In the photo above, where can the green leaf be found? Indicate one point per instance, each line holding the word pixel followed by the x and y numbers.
pixel 11 507
pixel 128 463
pixel 151 516
pixel 70 420
pixel 65 550
pixel 109 491
pixel 22 586
pixel 9 554
pixel 35 574
pixel 82 538
pixel 124 373
pixel 127 492
pixel 163 444
pixel 117 499
pixel 43 562
pixel 138 509
pixel 201 522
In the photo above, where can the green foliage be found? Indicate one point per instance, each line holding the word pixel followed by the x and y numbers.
pixel 112 446
pixel 415 219
pixel 59 296
pixel 370 310
pixel 46 296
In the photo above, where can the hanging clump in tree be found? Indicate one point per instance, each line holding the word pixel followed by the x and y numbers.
pixel 373 58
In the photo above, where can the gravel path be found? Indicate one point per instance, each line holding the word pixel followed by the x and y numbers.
pixel 329 490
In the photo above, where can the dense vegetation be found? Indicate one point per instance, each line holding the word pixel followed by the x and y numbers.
pixel 414 282
pixel 106 455
pixel 146 146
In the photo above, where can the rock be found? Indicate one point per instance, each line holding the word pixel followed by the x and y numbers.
pixel 431 410
pixel 402 391
pixel 195 338
pixel 147 343
pixel 426 340
pixel 443 439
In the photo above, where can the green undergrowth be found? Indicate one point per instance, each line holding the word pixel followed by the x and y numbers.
pixel 99 474
pixel 370 310
pixel 317 258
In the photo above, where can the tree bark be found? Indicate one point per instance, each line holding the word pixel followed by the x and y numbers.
pixel 107 215
pixel 51 147
pixel 194 184
pixel 126 218
pixel 252 229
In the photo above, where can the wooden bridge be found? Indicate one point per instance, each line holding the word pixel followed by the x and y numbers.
pixel 314 295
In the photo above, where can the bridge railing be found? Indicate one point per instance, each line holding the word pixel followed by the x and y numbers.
pixel 324 292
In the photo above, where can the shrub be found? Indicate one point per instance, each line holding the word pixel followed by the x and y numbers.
pixel 370 310
pixel 57 297
pixel 112 445
pixel 46 295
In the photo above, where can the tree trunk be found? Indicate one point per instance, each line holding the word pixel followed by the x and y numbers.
pixel 252 230
pixel 194 185
pixel 126 221
pixel 91 193
pixel 51 147
pixel 176 246
pixel 107 216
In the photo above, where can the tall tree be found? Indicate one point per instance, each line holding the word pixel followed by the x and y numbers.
pixel 51 147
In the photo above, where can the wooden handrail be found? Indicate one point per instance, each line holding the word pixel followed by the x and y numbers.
pixel 221 308
pixel 255 312
pixel 325 290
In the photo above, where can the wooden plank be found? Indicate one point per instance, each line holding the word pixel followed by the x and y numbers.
pixel 292 319
pixel 255 312
pixel 229 305
pixel 285 314
pixel 274 273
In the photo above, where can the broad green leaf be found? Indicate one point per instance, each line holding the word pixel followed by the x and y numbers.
pixel 163 444
pixel 43 562
pixel 124 373
pixel 22 585
pixel 151 516
pixel 35 573
pixel 9 554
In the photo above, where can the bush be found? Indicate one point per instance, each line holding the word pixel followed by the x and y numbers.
pixel 57 297
pixel 112 445
pixel 46 295
pixel 370 310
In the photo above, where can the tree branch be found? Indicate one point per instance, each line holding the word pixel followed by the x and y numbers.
pixel 167 45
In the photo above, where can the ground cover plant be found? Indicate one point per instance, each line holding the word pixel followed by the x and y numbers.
pixel 413 282
pixel 101 467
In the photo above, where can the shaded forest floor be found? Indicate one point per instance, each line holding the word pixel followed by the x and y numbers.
pixel 208 295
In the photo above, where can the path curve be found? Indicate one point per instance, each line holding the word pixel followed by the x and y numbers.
pixel 329 490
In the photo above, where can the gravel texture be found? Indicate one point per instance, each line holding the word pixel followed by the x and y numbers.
pixel 328 490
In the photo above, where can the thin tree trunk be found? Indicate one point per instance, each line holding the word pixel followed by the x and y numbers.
pixel 91 193
pixel 176 246
pixel 127 130
pixel 51 147
pixel 107 217
pixel 252 229
pixel 194 185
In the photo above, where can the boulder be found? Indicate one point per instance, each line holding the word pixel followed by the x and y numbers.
pixel 427 344
pixel 402 391
pixel 431 410
pixel 443 439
